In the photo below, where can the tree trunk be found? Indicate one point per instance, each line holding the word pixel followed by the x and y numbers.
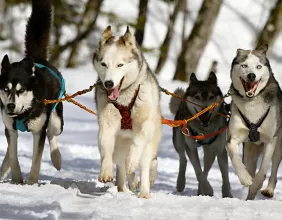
pixel 195 44
pixel 272 26
pixel 141 21
pixel 2 9
pixel 90 9
pixel 80 36
pixel 164 49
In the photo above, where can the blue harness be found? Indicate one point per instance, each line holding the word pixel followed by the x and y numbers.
pixel 20 124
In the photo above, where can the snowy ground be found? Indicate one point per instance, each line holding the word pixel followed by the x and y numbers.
pixel 75 193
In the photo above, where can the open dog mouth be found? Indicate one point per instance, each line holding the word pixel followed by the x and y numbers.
pixel 15 114
pixel 205 118
pixel 113 94
pixel 250 87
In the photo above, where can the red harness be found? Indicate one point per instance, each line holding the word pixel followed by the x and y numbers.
pixel 125 111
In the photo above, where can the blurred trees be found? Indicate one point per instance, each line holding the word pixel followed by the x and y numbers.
pixel 76 32
pixel 272 27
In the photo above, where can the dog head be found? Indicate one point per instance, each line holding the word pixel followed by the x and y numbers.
pixel 16 81
pixel 117 61
pixel 250 71
pixel 203 94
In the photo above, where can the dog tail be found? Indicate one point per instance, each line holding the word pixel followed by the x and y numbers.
pixel 175 102
pixel 38 29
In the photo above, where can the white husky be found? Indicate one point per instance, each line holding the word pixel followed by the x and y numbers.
pixel 128 112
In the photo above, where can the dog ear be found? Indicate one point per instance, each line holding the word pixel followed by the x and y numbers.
pixel 263 49
pixel 107 34
pixel 28 64
pixel 239 51
pixel 193 78
pixel 212 78
pixel 5 63
pixel 128 38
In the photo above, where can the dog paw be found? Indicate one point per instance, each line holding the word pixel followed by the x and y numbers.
pixel 245 178
pixel 56 159
pixel 180 186
pixel 267 193
pixel 122 188
pixel 131 165
pixel 143 195
pixel 205 189
pixel 17 179
pixel 134 186
pixel 106 177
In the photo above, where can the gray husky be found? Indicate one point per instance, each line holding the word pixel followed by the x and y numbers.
pixel 255 120
pixel 203 93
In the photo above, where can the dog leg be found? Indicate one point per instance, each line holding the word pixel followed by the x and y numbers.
pixel 153 170
pixel 222 160
pixel 133 182
pixel 5 168
pixel 261 175
pixel 204 185
pixel 145 164
pixel 54 150
pixel 209 157
pixel 120 179
pixel 276 159
pixel 251 154
pixel 12 139
pixel 180 146
pixel 38 147
pixel 143 138
pixel 234 149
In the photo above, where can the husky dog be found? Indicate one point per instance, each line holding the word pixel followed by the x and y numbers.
pixel 203 94
pixel 23 87
pixel 129 116
pixel 255 120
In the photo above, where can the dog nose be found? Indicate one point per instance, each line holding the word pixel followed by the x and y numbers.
pixel 109 84
pixel 251 77
pixel 11 107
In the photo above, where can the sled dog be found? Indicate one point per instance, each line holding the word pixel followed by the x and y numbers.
pixel 23 87
pixel 128 106
pixel 255 120
pixel 203 93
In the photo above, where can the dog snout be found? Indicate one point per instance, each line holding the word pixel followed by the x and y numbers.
pixel 11 107
pixel 251 77
pixel 109 84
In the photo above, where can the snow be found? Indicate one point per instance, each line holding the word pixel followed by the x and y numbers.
pixel 75 193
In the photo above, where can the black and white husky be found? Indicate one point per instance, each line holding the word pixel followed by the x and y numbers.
pixel 255 120
pixel 23 87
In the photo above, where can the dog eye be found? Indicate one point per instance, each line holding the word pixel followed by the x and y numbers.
pixel 103 64
pixel 6 89
pixel 21 90
pixel 259 66
pixel 244 66
pixel 211 97
pixel 120 65
pixel 196 97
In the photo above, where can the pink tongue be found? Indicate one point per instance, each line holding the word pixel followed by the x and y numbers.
pixel 113 93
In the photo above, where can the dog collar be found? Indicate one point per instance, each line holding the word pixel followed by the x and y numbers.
pixel 254 135
pixel 125 111
pixel 20 124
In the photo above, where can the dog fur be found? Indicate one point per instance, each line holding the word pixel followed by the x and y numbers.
pixel 254 90
pixel 23 87
pixel 119 60
pixel 202 93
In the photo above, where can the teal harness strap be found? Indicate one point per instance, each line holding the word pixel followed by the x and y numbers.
pixel 20 124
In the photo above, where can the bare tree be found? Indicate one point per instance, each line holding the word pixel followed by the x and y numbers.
pixel 164 49
pixel 272 26
pixel 90 9
pixel 141 21
pixel 80 36
pixel 195 44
